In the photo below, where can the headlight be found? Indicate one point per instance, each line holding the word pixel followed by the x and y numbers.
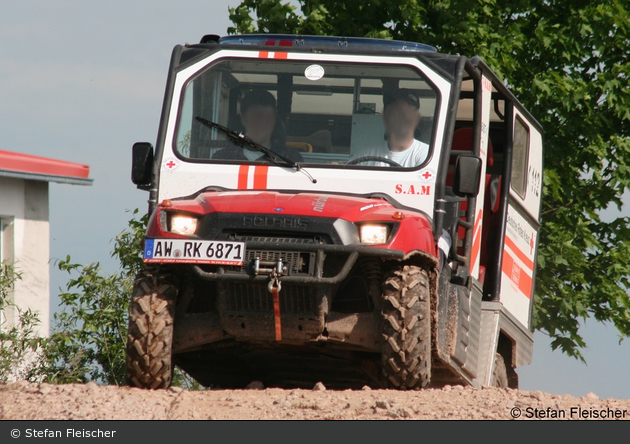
pixel 373 234
pixel 185 225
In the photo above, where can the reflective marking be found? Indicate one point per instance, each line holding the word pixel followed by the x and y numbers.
pixel 260 177
pixel 524 259
pixel 476 240
pixel 242 177
pixel 521 281
pixel 252 178
pixel 272 55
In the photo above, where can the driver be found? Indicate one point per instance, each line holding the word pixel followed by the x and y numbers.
pixel 258 116
pixel 401 116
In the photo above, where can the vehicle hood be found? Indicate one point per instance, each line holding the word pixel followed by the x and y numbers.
pixel 302 204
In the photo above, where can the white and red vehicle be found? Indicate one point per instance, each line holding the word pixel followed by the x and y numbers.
pixel 336 268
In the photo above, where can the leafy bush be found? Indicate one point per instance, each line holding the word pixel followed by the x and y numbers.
pixel 20 347
pixel 90 333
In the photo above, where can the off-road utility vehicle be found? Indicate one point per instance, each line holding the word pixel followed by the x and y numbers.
pixel 309 258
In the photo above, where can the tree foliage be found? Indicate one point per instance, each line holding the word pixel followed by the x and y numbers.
pixel 568 62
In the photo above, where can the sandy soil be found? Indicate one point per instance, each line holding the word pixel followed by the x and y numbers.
pixel 31 401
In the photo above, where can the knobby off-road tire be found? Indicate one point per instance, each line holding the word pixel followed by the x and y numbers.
pixel 150 336
pixel 499 372
pixel 406 353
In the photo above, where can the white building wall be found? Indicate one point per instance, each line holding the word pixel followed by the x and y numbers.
pixel 26 242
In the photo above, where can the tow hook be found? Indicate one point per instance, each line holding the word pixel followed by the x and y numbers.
pixel 275 271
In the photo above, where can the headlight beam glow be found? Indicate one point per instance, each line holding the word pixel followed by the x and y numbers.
pixel 373 234
pixel 186 225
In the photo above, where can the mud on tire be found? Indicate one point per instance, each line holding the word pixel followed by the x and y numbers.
pixel 406 353
pixel 150 335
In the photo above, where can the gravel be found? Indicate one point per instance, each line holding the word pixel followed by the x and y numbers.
pixel 31 401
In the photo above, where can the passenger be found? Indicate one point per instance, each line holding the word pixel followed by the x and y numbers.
pixel 401 116
pixel 258 117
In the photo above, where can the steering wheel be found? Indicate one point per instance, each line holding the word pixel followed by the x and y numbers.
pixel 373 159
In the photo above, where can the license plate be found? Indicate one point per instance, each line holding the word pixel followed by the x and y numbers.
pixel 194 251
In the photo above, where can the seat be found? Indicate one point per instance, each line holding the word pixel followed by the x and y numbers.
pixel 301 146
pixel 463 141
pixel 320 141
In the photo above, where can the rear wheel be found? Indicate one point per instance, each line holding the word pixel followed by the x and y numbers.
pixel 406 353
pixel 150 335
pixel 499 372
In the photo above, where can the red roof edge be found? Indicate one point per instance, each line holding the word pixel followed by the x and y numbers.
pixel 42 165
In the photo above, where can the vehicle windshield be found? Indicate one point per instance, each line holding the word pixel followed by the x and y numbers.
pixel 316 113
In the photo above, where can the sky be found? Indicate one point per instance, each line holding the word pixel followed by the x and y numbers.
pixel 83 80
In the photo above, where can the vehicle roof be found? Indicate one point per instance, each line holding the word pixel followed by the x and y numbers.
pixel 311 42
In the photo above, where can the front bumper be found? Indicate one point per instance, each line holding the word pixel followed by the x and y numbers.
pixel 245 304
pixel 318 277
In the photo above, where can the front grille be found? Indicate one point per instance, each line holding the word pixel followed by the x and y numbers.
pixel 245 297
pixel 280 240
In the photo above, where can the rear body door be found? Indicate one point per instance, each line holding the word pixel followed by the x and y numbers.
pixel 520 241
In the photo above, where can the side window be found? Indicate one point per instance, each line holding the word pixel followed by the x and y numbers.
pixel 207 96
pixel 520 158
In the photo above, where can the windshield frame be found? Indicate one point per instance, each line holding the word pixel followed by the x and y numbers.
pixel 431 75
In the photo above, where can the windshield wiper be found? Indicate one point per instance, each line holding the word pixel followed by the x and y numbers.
pixel 241 139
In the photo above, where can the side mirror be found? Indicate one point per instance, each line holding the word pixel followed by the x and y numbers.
pixel 141 163
pixel 467 176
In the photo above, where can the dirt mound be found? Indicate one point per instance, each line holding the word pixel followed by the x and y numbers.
pixel 29 401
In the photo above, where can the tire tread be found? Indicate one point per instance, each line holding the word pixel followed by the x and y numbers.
pixel 406 354
pixel 150 336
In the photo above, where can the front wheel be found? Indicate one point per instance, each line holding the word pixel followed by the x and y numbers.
pixel 406 353
pixel 150 335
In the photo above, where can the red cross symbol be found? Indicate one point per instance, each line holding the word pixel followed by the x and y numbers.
pixel 531 244
pixel 170 164
pixel 427 175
